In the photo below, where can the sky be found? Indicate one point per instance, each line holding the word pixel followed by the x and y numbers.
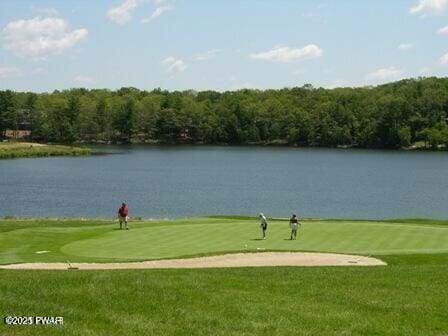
pixel 219 45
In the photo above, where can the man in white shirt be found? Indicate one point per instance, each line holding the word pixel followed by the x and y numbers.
pixel 263 224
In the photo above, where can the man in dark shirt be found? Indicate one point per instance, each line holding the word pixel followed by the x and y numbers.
pixel 294 225
pixel 123 216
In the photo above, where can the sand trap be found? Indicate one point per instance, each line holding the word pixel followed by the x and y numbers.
pixel 261 259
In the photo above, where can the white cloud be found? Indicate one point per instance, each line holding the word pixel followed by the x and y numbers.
pixel 207 55
pixel 287 54
pixel 9 72
pixel 123 13
pixel 168 60
pixel 444 59
pixel 426 8
pixel 84 79
pixel 389 73
pixel 406 46
pixel 158 12
pixel 41 37
pixel 173 64
pixel 443 31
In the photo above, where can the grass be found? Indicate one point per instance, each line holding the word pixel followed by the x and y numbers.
pixel 407 297
pixel 11 150
pixel 392 300
pixel 77 240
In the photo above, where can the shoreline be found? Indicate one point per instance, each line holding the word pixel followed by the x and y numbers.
pixel 138 219
pixel 40 150
pixel 256 145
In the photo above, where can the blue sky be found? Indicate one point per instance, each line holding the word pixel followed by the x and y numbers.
pixel 219 45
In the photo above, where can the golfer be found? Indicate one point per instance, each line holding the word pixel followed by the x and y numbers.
pixel 263 224
pixel 294 225
pixel 123 216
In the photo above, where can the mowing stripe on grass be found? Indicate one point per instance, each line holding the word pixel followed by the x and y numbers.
pixel 80 241
pixel 174 241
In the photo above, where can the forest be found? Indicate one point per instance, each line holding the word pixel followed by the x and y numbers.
pixel 394 115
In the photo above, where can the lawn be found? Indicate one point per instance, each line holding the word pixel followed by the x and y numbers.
pixel 11 150
pixel 407 297
pixel 76 240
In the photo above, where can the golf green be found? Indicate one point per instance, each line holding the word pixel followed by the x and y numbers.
pixel 51 241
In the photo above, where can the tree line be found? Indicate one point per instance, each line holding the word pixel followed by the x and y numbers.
pixel 393 115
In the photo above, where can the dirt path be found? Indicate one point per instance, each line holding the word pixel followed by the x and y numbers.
pixel 260 259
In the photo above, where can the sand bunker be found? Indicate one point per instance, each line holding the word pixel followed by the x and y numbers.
pixel 260 259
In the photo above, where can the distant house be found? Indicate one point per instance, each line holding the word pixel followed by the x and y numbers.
pixel 22 131
pixel 184 134
pixel 17 134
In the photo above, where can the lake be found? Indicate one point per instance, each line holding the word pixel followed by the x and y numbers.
pixel 178 181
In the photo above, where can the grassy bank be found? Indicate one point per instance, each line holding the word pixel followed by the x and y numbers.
pixel 11 150
pixel 407 297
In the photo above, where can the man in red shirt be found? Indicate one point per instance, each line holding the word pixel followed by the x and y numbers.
pixel 123 216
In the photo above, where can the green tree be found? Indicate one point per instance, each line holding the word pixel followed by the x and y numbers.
pixel 125 121
pixel 405 136
pixel 8 111
pixel 101 115
pixel 32 115
pixel 69 119
pixel 390 115
pixel 435 137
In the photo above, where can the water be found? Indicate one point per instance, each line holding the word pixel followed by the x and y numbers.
pixel 169 182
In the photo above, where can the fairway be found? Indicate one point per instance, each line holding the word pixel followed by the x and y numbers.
pixel 100 241
pixel 406 297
